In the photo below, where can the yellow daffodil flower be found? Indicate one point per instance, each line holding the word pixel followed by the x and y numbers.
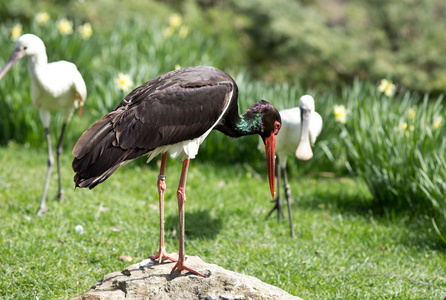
pixel 86 31
pixel 387 87
pixel 168 32
pixel 437 122
pixel 124 82
pixel 65 27
pixel 411 114
pixel 403 126
pixel 42 18
pixel 340 113
pixel 16 32
pixel 175 21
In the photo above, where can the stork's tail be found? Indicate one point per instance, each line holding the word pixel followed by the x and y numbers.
pixel 91 182
pixel 97 154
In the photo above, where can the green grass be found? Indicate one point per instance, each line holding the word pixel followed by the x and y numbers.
pixel 346 248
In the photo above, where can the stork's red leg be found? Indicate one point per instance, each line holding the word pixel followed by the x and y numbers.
pixel 162 254
pixel 181 195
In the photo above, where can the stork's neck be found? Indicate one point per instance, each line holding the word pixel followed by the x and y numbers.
pixel 250 122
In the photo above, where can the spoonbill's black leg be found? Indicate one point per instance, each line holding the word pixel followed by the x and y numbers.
pixel 42 207
pixel 278 200
pixel 288 200
pixel 58 154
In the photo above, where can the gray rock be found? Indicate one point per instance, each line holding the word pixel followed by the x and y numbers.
pixel 151 280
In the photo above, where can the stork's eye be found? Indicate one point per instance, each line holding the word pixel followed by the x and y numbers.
pixel 276 127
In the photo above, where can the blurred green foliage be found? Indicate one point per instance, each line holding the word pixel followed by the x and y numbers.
pixel 328 42
pixel 335 41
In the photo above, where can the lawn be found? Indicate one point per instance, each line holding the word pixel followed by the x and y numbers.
pixel 346 247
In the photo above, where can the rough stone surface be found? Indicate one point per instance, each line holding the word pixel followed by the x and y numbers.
pixel 151 280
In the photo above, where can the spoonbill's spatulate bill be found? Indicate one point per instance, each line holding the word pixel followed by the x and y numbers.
pixel 300 128
pixel 172 113
pixel 54 86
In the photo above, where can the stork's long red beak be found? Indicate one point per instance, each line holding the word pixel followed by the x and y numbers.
pixel 16 55
pixel 270 147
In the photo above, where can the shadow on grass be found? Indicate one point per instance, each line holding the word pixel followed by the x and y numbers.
pixel 356 201
pixel 200 224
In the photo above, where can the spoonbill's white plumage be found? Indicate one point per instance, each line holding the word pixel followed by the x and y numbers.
pixel 54 86
pixel 300 128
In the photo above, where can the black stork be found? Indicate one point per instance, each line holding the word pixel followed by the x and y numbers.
pixel 172 113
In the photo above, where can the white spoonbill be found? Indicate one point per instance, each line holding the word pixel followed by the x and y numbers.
pixel 54 86
pixel 300 128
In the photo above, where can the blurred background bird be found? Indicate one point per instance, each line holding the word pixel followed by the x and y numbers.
pixel 54 86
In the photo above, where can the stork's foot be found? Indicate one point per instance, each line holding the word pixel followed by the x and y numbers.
pixel 277 206
pixel 181 266
pixel 163 255
pixel 41 211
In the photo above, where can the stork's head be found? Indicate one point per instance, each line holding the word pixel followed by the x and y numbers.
pixel 27 45
pixel 270 123
pixel 306 105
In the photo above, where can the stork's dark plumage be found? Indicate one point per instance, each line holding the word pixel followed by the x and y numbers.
pixel 171 113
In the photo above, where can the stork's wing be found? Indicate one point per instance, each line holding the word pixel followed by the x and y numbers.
pixel 146 120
